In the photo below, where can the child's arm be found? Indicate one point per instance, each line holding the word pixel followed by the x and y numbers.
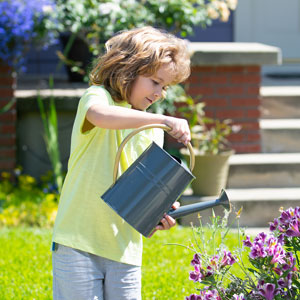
pixel 116 117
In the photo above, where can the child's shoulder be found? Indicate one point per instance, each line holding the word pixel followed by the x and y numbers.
pixel 99 92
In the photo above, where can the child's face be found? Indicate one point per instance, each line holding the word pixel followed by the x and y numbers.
pixel 147 90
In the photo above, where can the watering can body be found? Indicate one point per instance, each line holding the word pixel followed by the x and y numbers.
pixel 148 188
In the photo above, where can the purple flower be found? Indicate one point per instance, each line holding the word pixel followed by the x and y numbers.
pixel 267 290
pixel 273 226
pixel 193 297
pixel 268 247
pixel 293 229
pixel 280 239
pixel 227 259
pixel 297 212
pixel 278 255
pixel 261 237
pixel 286 281
pixel 238 297
pixel 196 274
pixel 247 242
pixel 214 262
pixel 211 295
pixel 257 250
pixel 277 271
pixel 209 271
pixel 286 216
pixel 205 294
pixel 275 250
pixel 291 260
pixel 196 260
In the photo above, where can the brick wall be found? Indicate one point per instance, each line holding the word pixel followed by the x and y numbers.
pixel 231 92
pixel 7 120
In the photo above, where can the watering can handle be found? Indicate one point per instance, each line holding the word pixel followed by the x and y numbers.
pixel 134 132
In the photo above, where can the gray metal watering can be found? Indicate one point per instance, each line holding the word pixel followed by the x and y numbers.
pixel 150 186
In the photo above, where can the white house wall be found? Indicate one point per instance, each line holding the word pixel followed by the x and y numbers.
pixel 271 22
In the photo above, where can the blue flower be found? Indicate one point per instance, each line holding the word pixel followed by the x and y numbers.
pixel 22 23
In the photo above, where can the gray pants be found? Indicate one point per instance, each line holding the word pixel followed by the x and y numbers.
pixel 79 275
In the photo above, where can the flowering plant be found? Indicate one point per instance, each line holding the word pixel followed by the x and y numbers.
pixel 21 23
pixel 265 268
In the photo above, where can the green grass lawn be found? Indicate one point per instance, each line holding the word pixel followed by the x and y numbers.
pixel 25 265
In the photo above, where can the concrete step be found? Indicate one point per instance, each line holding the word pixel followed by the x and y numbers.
pixel 260 205
pixel 280 135
pixel 264 170
pixel 280 102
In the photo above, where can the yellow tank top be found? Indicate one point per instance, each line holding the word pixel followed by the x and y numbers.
pixel 84 221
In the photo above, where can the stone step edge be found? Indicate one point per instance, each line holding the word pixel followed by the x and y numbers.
pixel 280 91
pixel 251 195
pixel 264 158
pixel 278 124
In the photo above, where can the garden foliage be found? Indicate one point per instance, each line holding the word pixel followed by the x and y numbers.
pixel 26 202
pixel 95 21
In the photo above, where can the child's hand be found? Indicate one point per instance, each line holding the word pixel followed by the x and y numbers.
pixel 166 222
pixel 179 129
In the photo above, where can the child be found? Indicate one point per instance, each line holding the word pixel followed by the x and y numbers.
pixel 96 254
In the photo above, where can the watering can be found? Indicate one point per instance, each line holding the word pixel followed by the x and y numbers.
pixel 150 186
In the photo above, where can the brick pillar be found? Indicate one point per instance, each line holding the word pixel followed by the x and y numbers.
pixel 231 92
pixel 7 120
pixel 227 77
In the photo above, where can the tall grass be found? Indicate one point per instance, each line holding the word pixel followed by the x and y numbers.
pixel 50 125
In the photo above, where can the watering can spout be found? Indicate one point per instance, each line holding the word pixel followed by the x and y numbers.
pixel 192 208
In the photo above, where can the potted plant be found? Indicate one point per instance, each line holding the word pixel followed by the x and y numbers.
pixel 209 140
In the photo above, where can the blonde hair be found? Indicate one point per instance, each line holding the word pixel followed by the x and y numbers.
pixel 140 51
